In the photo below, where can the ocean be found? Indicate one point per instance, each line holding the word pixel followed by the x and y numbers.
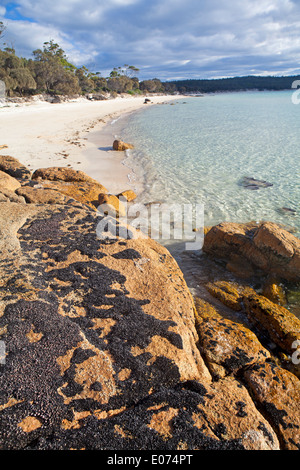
pixel 202 149
pixel 238 154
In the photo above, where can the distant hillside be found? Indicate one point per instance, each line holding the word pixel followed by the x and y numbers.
pixel 234 84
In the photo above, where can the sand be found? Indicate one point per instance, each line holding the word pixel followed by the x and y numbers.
pixel 42 135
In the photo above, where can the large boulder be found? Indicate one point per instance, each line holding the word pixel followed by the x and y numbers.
pixel 279 324
pixel 108 331
pixel 120 146
pixel 14 168
pixel 85 192
pixel 278 393
pixel 128 195
pixel 62 174
pixel 7 182
pixel 282 326
pixel 42 196
pixel 97 336
pixel 110 204
pixel 226 345
pixel 265 248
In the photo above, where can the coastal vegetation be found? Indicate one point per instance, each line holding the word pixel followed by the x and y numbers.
pixel 234 84
pixel 49 71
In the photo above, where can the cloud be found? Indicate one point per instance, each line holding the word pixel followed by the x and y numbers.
pixel 164 38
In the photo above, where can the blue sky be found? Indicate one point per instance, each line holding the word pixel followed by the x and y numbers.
pixel 166 39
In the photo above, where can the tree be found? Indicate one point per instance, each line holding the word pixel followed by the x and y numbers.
pixel 127 70
pixel 123 79
pixel 15 74
pixel 152 86
pixel 86 84
pixel 24 81
pixel 121 84
pixel 130 71
pixel 53 72
pixel 2 28
pixel 100 83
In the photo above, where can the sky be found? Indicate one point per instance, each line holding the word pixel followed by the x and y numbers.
pixel 165 39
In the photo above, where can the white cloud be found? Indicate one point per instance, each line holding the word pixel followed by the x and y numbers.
pixel 165 37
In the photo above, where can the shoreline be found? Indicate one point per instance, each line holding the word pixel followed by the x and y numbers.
pixel 78 135
pixel 45 135
pixel 107 165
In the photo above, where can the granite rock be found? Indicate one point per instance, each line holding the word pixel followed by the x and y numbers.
pixel 13 167
pixel 8 182
pixel 278 393
pixel 120 146
pixel 62 174
pixel 265 248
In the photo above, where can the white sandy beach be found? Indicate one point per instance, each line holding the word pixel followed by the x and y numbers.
pixel 41 135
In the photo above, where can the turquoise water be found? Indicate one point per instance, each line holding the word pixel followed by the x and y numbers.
pixel 199 149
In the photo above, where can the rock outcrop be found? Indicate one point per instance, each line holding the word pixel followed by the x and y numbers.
pixel 120 146
pixel 128 195
pixel 42 190
pixel 110 204
pixel 248 248
pixel 102 346
pixel 13 167
pixel 7 182
pixel 106 349
pixel 62 174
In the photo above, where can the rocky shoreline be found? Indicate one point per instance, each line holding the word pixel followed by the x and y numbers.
pixel 105 346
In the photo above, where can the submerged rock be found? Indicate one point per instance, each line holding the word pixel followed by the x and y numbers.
pixel 287 211
pixel 274 292
pixel 281 325
pixel 254 184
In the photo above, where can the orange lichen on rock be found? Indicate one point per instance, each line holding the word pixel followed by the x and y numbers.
pixel 29 424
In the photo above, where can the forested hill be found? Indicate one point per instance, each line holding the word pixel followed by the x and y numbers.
pixel 234 84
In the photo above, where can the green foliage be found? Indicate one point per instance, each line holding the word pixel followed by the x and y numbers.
pixel 54 74
pixel 16 76
pixel 152 86
pixel 50 71
pixel 127 70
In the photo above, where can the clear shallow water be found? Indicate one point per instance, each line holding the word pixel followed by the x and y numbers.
pixel 200 149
